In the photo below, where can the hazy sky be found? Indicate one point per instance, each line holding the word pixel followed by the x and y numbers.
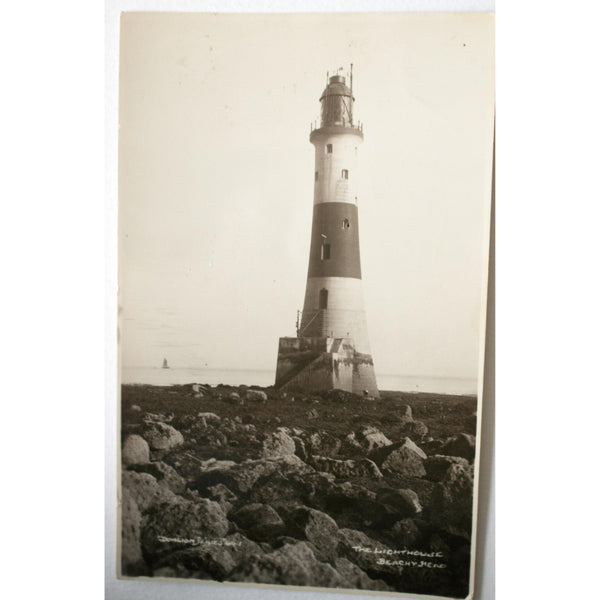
pixel 216 182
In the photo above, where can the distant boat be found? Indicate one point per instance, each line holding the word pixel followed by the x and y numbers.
pixel 165 365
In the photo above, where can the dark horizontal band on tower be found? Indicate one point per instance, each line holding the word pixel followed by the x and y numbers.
pixel 324 132
pixel 334 248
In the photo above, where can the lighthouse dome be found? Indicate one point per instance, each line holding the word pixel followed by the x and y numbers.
pixel 336 103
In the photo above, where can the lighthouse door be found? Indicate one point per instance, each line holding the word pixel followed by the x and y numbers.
pixel 323 299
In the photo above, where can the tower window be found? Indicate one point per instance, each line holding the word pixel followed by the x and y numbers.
pixel 316 175
pixel 344 173
pixel 329 148
pixel 323 299
pixel 345 224
pixel 325 251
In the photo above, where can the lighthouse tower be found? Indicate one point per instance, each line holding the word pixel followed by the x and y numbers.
pixel 331 350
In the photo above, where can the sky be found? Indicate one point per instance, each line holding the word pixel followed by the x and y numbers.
pixel 216 183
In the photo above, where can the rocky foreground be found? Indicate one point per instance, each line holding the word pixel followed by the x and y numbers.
pixel 332 490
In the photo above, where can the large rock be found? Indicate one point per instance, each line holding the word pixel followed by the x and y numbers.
pixel 402 502
pixel 438 466
pixel 404 457
pixel 316 527
pixel 404 414
pixel 346 469
pixel 364 552
pixel 132 562
pixel 370 438
pixel 176 526
pixel 291 490
pixel 256 395
pixel 164 474
pixel 300 448
pixel 406 533
pixel 241 477
pixel 357 579
pixel 451 503
pixel 135 450
pixel 223 496
pixel 278 444
pixel 145 490
pixel 292 564
pixel 417 429
pixel 212 560
pixel 322 444
pixel 161 436
pixel 260 521
pixel 210 417
pixel 212 464
pixel 462 445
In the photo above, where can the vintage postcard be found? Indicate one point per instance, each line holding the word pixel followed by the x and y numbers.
pixel 304 214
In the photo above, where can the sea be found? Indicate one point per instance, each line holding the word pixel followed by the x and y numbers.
pixel 182 375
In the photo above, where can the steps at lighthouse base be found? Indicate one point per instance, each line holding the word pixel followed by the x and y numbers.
pixel 314 364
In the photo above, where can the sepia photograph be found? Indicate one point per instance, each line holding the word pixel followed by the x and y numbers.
pixel 304 206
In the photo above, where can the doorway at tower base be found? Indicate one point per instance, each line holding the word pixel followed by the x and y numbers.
pixel 317 364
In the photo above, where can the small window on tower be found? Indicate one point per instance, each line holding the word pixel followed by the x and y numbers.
pixel 329 148
pixel 344 173
pixel 345 224
pixel 323 299
pixel 316 175
pixel 325 251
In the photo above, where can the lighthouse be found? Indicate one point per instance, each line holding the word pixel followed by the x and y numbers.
pixel 331 349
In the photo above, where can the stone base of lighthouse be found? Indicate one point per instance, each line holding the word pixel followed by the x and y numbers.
pixel 317 364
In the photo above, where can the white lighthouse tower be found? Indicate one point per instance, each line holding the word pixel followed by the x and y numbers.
pixel 331 350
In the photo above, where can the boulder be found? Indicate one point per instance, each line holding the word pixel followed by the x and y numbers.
pixel 278 444
pixel 370 438
pixel 132 562
pixel 241 477
pixel 315 527
pixel 462 445
pixel 438 466
pixel 145 490
pixel 260 521
pixel 357 579
pixel 300 448
pixel 208 435
pixel 451 502
pixel 470 423
pixel 234 398
pixel 135 450
pixel 406 533
pixel 161 436
pixel 175 526
pixel 223 496
pixel 214 559
pixel 158 418
pixel 417 429
pixel 364 552
pixel 164 474
pixel 212 464
pixel 404 414
pixel 401 502
pixel 322 443
pixel 351 442
pixel 210 417
pixel 256 396
pixel 290 491
pixel 292 564
pixel 346 469
pixel 404 457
